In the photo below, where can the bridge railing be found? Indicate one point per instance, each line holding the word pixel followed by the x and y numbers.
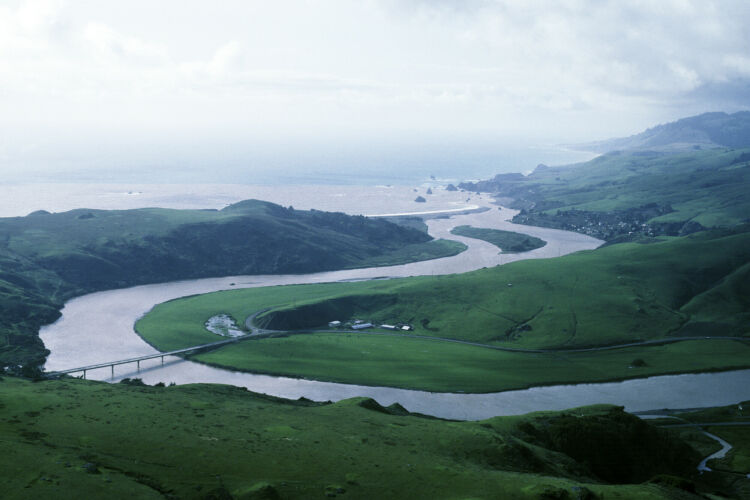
pixel 137 360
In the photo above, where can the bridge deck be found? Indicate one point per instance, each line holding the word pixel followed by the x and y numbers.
pixel 84 369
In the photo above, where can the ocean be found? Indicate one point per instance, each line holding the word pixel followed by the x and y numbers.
pixel 362 164
pixel 351 181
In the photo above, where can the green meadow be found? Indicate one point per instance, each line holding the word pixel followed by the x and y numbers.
pixel 679 287
pixel 80 439
pixel 368 359
pixel 507 241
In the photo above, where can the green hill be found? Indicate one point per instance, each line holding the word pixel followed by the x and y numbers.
pixel 507 241
pixel 707 130
pixel 631 195
pixel 677 288
pixel 47 258
pixel 80 439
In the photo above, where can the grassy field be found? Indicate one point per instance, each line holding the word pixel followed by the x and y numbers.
pixel 613 295
pixel 81 439
pixel 415 252
pixel 368 359
pixel 507 241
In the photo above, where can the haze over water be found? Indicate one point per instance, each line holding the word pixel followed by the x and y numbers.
pixel 410 163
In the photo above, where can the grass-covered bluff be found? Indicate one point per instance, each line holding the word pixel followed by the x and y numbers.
pixel 690 287
pixel 80 439
pixel 46 258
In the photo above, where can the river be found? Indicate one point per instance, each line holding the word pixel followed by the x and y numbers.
pixel 98 327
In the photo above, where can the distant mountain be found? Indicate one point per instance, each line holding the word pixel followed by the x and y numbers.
pixel 709 130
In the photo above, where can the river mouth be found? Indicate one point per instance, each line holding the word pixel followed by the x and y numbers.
pixel 76 340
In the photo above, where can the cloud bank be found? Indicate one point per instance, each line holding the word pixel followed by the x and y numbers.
pixel 552 71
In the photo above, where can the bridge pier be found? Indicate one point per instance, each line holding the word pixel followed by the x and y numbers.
pixel 113 370
pixel 84 374
pixel 138 364
pixel 162 360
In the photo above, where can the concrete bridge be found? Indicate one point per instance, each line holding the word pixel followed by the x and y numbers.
pixel 137 361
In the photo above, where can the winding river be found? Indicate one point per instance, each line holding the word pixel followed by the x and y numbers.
pixel 98 327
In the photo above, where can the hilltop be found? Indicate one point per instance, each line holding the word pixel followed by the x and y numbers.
pixel 708 130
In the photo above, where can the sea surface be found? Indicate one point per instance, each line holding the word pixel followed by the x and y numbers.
pixel 370 164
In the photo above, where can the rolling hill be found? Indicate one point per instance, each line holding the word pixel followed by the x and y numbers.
pixel 708 130
pixel 47 258
pixel 628 195
pixel 74 439
pixel 659 296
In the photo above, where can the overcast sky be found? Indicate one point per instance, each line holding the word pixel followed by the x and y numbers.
pixel 105 75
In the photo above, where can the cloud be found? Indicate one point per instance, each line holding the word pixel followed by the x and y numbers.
pixel 114 47
pixel 29 28
pixel 489 65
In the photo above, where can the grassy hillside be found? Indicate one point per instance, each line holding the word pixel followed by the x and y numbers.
pixel 730 423
pixel 695 132
pixel 507 241
pixel 79 439
pixel 48 258
pixel 614 295
pixel 97 248
pixel 634 195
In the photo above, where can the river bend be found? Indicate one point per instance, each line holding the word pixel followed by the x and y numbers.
pixel 98 327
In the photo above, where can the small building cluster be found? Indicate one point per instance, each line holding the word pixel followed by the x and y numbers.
pixel 359 324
